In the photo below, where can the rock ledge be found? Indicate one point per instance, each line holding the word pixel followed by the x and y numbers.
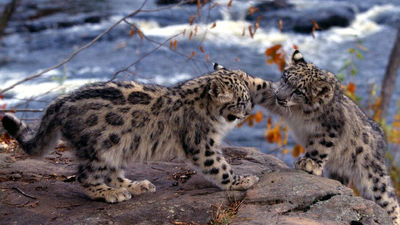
pixel 44 192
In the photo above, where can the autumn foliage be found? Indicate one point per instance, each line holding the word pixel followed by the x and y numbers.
pixel 276 55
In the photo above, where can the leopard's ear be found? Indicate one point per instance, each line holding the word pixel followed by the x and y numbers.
pixel 217 66
pixel 322 88
pixel 219 92
pixel 297 57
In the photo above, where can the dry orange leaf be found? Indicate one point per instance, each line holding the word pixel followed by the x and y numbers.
pixel 280 24
pixel 190 35
pixel 251 31
pixel 201 49
pixel 273 49
pixel 32 204
pixel 191 55
pixel 274 135
pixel 191 19
pixel 297 150
pixel 315 24
pixel 315 27
pixel 252 10
pixel 140 33
pixel 286 135
pixel 257 24
pixel 229 4
pixel 269 123
pixel 276 55
pixel 295 47
pixel 213 25
pixel 351 87
pixel 207 58
pixel 258 116
pixel 285 151
pixel 175 44
pixel 132 31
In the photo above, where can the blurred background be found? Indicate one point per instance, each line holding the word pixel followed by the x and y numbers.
pixel 170 41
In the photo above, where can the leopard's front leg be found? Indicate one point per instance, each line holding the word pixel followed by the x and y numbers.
pixel 317 154
pixel 210 161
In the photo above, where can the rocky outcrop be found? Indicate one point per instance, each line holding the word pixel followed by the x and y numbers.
pixel 298 19
pixel 44 192
pixel 39 15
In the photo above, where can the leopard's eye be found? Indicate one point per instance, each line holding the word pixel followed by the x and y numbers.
pixel 298 92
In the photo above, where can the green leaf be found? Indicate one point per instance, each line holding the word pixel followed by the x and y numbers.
pixel 59 80
pixel 351 50
pixel 341 77
pixel 358 99
pixel 353 71
pixel 346 65
pixel 359 55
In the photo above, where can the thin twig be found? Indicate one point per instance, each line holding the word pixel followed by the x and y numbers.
pixel 74 53
pixel 33 76
pixel 23 193
pixel 143 56
pixel 20 110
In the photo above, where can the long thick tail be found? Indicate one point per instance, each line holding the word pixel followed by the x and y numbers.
pixel 379 188
pixel 34 143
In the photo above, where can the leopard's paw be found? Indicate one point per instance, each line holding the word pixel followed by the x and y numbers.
pixel 116 195
pixel 308 165
pixel 244 182
pixel 140 187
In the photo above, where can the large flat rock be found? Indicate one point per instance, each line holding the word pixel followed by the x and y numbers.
pixel 43 191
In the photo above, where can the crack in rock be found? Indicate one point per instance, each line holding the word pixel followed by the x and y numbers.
pixel 305 208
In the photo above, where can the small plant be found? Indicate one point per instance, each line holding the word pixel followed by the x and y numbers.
pixel 350 67
pixel 224 215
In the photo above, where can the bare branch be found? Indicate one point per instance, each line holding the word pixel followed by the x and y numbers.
pixel 20 110
pixel 145 55
pixel 33 76
pixel 72 55
pixel 389 80
pixel 23 193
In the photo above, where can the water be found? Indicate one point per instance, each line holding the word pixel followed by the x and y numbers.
pixel 23 52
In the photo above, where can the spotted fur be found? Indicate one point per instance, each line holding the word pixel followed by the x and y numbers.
pixel 340 139
pixel 112 124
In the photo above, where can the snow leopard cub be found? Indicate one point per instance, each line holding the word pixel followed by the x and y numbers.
pixel 112 124
pixel 339 138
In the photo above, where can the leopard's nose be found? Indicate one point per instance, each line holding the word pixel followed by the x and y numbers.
pixel 280 101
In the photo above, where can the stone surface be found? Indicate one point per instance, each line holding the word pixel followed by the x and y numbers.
pixel 44 191
pixel 298 19
pixel 39 15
